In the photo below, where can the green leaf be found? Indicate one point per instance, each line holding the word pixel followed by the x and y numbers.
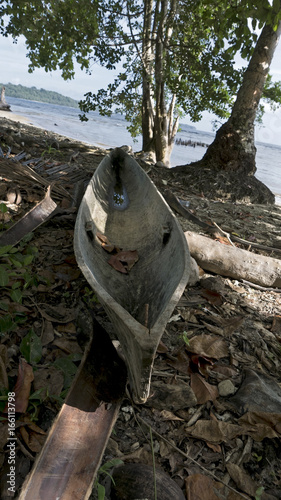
pixel 6 324
pixel 16 295
pixel 3 208
pixel 68 368
pixel 31 348
pixel 101 491
pixel 27 260
pixel 4 276
pixel 16 262
pixel 16 285
pixel 5 249
pixel 4 306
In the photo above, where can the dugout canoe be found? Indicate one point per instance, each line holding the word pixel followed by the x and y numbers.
pixel 133 253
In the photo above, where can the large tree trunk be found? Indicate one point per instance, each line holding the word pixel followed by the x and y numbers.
pixel 234 148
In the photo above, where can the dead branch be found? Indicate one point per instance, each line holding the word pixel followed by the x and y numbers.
pixel 212 228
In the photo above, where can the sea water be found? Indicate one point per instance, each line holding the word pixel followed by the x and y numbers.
pixel 109 132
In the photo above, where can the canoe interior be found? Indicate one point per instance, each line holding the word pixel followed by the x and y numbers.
pixel 123 204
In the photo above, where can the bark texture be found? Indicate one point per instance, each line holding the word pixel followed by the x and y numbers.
pixel 147 94
pixel 233 148
pixel 234 262
pixel 158 124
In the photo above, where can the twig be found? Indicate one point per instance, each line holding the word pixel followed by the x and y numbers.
pixel 259 287
pixel 213 228
pixel 153 463
pixel 227 235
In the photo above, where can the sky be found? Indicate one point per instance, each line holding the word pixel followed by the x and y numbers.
pixel 14 69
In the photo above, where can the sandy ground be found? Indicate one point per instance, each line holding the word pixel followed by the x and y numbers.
pixel 14 117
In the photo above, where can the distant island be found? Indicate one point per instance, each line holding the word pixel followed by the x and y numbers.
pixel 40 95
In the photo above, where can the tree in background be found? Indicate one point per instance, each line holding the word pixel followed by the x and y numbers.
pixel 176 55
pixel 234 145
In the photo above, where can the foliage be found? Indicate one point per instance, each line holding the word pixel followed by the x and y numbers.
pixel 41 95
pixel 56 32
pixel 15 278
pixel 104 470
pixel 177 56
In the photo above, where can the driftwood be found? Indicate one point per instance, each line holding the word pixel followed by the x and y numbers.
pixel 234 262
pixel 122 210
pixel 3 104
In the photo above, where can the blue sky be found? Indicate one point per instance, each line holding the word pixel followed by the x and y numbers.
pixel 14 69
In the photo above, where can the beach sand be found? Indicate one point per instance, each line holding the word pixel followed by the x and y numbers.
pixel 9 115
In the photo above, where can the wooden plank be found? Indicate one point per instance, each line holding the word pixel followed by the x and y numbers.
pixel 71 456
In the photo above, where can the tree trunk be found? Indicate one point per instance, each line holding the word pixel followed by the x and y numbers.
pixel 160 123
pixel 147 61
pixel 165 127
pixel 234 148
pixel 3 103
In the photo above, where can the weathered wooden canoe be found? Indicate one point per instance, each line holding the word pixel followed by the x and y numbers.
pixel 134 255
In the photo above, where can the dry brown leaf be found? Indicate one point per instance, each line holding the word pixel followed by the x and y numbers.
pixel 231 324
pixel 202 389
pixel 181 361
pixel 105 243
pixel 213 297
pixel 68 346
pixel 50 380
pixel 47 334
pixel 66 273
pixel 57 314
pixel 200 487
pixel 23 385
pixel 162 348
pixel 243 481
pixel 215 447
pixel 214 431
pixel 67 328
pixel 168 415
pixel 124 261
pixel 225 371
pixel 260 425
pixel 210 346
pixel 33 436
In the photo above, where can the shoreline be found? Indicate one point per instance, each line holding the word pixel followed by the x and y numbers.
pixel 24 121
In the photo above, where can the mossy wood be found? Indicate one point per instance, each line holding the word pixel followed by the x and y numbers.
pixel 122 209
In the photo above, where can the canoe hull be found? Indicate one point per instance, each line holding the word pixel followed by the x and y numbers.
pixel 123 205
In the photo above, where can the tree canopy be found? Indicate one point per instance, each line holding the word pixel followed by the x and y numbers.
pixel 177 56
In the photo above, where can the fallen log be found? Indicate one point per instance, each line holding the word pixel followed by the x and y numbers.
pixel 234 262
